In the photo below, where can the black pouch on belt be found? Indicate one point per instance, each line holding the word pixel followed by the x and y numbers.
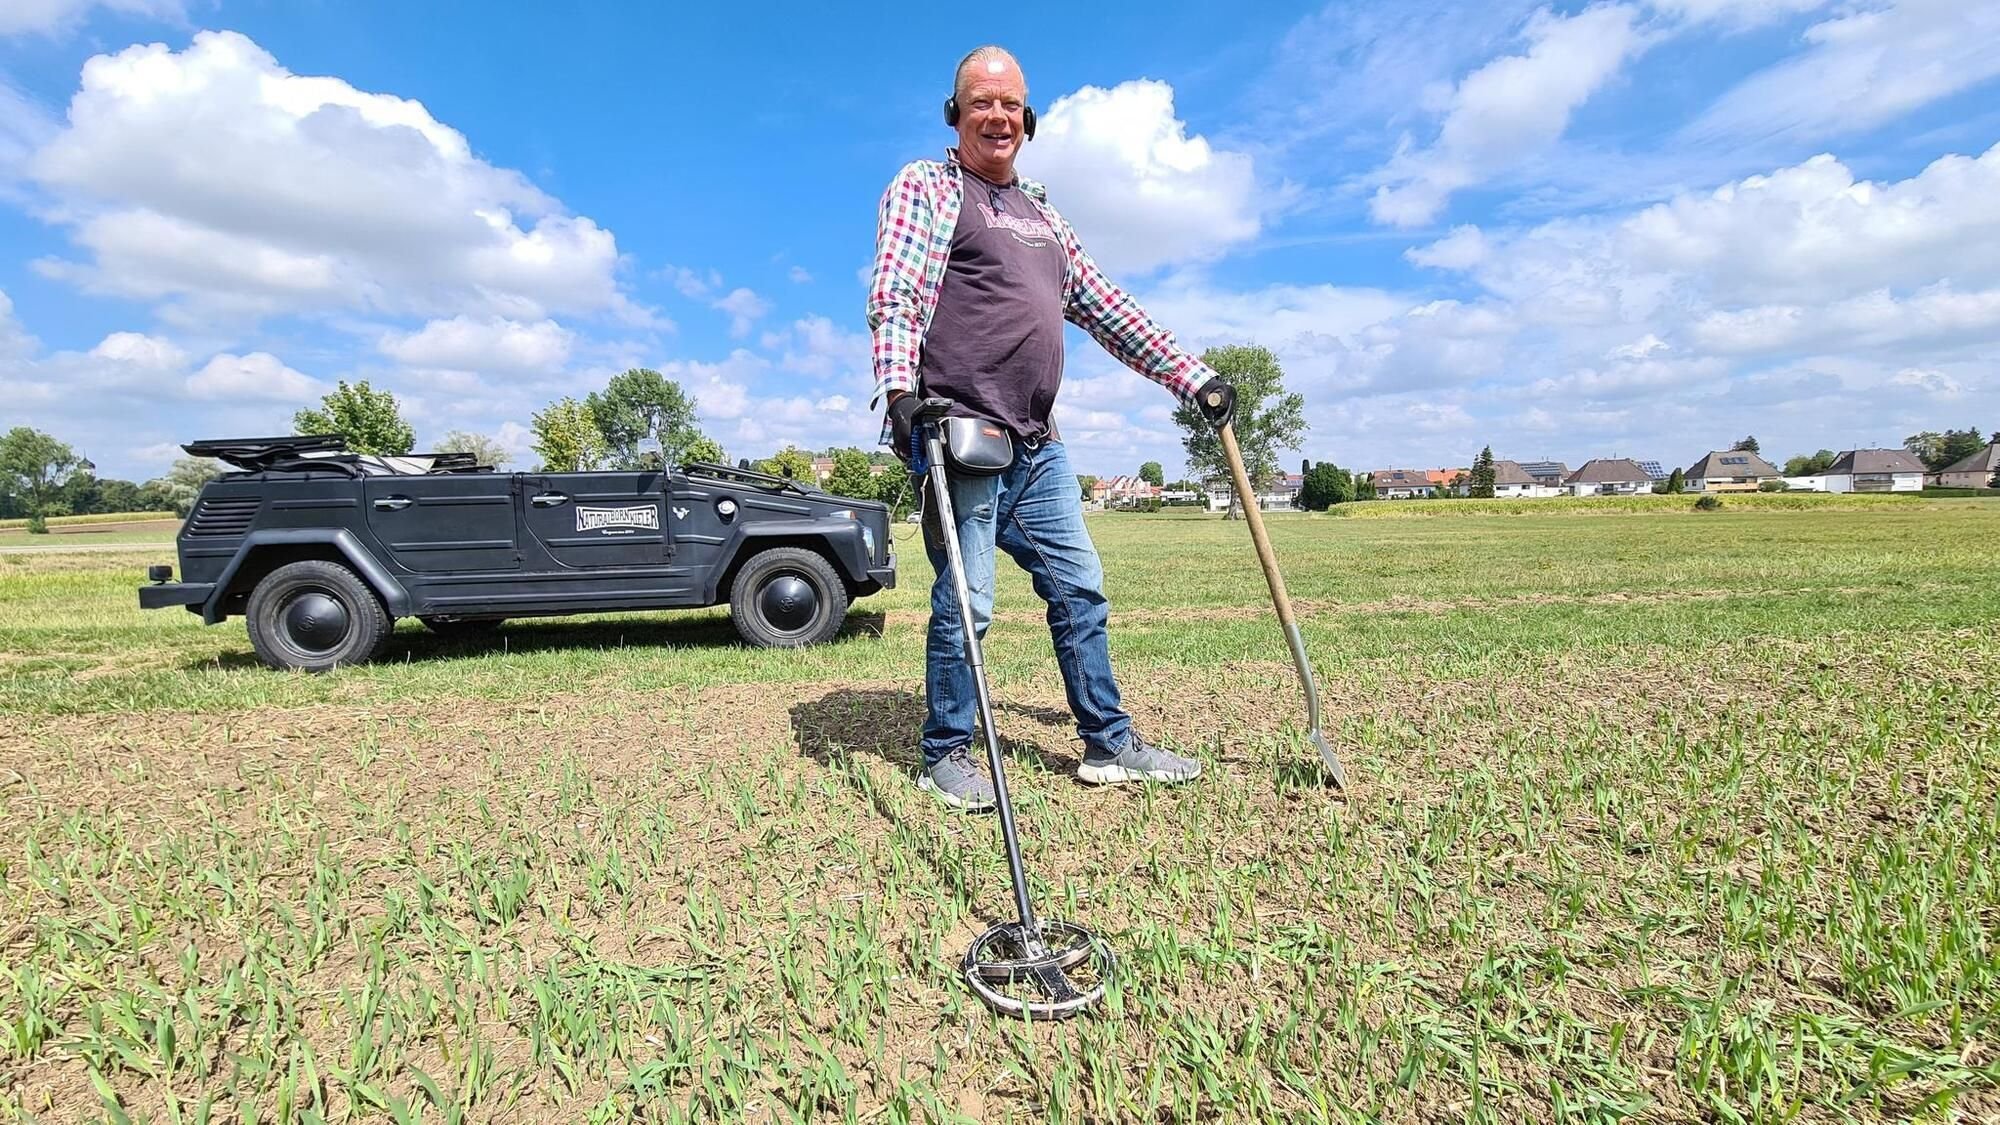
pixel 976 448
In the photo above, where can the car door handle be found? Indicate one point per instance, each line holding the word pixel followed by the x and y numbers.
pixel 392 503
pixel 548 499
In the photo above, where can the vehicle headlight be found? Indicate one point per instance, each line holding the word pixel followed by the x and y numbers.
pixel 868 539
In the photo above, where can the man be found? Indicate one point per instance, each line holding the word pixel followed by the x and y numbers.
pixel 974 275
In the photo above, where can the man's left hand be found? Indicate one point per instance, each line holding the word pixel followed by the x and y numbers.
pixel 1217 402
pixel 901 410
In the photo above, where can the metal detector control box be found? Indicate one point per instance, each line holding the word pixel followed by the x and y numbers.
pixel 321 549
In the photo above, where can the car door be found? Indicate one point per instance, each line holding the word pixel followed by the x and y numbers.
pixel 447 522
pixel 593 521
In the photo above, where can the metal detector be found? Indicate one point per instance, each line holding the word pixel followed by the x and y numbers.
pixel 1036 967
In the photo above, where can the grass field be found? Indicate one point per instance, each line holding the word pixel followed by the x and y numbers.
pixel 1663 817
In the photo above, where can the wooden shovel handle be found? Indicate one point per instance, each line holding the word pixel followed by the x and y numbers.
pixel 1250 512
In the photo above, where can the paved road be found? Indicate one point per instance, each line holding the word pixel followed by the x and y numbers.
pixel 69 549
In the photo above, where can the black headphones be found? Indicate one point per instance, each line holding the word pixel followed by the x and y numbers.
pixel 1027 116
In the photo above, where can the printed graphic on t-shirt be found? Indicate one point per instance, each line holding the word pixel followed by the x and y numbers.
pixel 1034 232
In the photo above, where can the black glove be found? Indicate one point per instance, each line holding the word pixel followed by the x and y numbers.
pixel 900 413
pixel 1223 409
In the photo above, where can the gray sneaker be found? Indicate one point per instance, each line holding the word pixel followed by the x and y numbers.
pixel 957 782
pixel 1136 761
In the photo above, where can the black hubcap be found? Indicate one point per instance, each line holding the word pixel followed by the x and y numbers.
pixel 788 602
pixel 315 621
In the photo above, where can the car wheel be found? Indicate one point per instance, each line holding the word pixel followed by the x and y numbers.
pixel 315 616
pixel 461 626
pixel 787 597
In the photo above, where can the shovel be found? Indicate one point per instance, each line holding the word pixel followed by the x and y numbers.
pixel 1284 605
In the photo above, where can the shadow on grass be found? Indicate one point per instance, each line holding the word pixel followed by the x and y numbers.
pixel 888 722
pixel 668 630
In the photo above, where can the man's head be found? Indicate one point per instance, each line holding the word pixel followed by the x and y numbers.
pixel 991 96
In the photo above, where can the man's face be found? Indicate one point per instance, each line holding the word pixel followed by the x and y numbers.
pixel 989 115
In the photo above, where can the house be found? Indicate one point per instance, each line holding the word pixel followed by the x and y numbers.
pixel 1550 474
pixel 1875 470
pixel 1510 480
pixel 1220 492
pixel 1401 484
pixel 1733 470
pixel 1122 491
pixel 1609 476
pixel 1975 471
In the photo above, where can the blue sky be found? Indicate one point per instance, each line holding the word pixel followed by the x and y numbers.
pixel 1617 229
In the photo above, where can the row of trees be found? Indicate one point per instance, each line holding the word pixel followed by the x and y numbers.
pixel 640 420
pixel 43 476
pixel 1939 450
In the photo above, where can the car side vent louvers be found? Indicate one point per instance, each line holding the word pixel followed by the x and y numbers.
pixel 226 515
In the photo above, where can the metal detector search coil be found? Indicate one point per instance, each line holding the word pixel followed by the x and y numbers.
pixel 1063 971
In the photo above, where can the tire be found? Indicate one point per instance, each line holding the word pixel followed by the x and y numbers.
pixel 787 597
pixel 315 616
pixel 461 626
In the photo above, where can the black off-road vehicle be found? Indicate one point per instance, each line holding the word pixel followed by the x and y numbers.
pixel 321 549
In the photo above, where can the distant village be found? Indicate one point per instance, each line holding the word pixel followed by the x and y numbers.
pixel 1720 471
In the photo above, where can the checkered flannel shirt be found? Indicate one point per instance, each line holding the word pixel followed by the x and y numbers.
pixel 912 245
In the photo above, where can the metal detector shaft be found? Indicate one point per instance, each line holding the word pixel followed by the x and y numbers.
pixel 948 529
pixel 1282 602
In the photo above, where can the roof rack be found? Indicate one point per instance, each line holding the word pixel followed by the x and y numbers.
pixel 326 453
pixel 256 454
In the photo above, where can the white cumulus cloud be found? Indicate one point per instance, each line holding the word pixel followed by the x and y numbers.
pixel 219 182
pixel 1139 190
pixel 257 377
pixel 745 309
pixel 492 344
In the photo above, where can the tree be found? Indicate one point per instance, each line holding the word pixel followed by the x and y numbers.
pixel 1482 475
pixel 1364 488
pixel 1958 445
pixel 1152 474
pixel 1267 419
pixel 368 418
pixel 484 449
pixel 1087 484
pixel 1676 482
pixel 1325 485
pixel 643 404
pixel 1806 465
pixel 34 466
pixel 183 482
pixel 1995 482
pixel 114 496
pixel 567 438
pixel 704 448
pixel 1926 447
pixel 851 476
pixel 1747 445
pixel 790 461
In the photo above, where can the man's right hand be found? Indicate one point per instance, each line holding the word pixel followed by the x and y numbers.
pixel 902 407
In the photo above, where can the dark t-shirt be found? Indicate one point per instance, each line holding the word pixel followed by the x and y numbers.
pixel 995 344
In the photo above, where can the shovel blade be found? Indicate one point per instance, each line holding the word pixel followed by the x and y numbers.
pixel 1334 772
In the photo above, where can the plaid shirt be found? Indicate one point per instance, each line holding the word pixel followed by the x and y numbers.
pixel 913 244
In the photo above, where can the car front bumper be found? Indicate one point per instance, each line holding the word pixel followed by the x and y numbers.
pixel 160 595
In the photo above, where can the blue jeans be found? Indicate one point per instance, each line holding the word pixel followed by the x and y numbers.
pixel 1034 512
